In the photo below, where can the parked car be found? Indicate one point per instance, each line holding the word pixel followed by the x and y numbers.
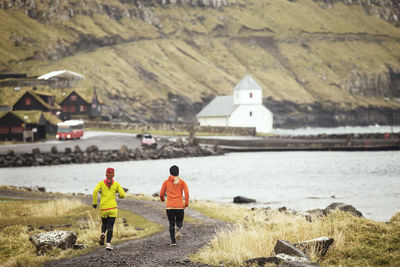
pixel 148 141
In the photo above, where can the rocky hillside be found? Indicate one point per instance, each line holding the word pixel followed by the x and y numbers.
pixel 320 62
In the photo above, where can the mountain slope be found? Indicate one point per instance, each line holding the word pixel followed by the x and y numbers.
pixel 160 62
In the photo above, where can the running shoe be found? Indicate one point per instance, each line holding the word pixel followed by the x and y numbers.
pixel 173 244
pixel 109 247
pixel 102 237
pixel 177 233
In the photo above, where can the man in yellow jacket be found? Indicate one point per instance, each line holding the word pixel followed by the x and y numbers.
pixel 108 206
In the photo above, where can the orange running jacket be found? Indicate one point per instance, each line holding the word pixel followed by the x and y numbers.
pixel 174 187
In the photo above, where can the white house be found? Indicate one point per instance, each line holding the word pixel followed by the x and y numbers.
pixel 243 109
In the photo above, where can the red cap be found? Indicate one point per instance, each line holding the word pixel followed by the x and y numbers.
pixel 110 170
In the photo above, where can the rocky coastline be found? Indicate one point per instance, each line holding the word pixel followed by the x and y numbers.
pixel 92 154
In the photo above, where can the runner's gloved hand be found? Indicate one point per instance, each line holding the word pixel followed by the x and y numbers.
pixel 186 205
pixel 95 206
pixel 162 199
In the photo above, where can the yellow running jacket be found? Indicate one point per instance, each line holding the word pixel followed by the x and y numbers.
pixel 108 195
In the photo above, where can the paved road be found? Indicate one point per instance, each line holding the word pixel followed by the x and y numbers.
pixel 104 140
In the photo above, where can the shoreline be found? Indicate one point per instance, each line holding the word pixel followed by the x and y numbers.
pixel 249 206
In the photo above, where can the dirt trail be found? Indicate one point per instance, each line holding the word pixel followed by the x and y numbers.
pixel 151 251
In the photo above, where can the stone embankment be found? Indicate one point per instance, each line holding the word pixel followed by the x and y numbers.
pixel 92 154
pixel 323 142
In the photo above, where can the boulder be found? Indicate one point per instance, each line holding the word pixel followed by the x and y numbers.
pixel 179 142
pixel 319 245
pixel 285 247
pixel 298 264
pixel 77 149
pixel 78 246
pixel 123 149
pixel 342 207
pixel 138 154
pixel 54 150
pixel 287 211
pixel 39 188
pixel 36 151
pixel 241 200
pixel 92 149
pixel 261 261
pixel 317 212
pixel 288 260
pixel 60 239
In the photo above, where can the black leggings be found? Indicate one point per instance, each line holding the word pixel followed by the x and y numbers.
pixel 108 224
pixel 174 215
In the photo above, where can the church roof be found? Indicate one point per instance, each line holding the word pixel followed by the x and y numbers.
pixel 220 106
pixel 247 83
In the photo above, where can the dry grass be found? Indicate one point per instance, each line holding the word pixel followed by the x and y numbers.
pixel 358 241
pixel 20 219
pixel 57 207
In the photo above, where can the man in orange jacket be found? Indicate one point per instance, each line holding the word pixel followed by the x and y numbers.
pixel 174 186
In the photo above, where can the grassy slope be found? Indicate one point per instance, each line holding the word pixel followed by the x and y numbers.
pixel 197 59
pixel 358 241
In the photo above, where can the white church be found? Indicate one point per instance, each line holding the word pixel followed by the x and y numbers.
pixel 243 109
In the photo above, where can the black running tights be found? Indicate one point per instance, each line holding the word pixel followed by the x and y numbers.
pixel 174 216
pixel 108 224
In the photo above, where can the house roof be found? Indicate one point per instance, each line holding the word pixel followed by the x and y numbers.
pixel 3 113
pixel 32 116
pixel 39 99
pixel 48 116
pixel 86 98
pixel 220 106
pixel 247 83
pixel 28 116
pixel 62 74
pixel 43 93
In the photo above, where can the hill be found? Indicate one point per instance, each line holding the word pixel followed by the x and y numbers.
pixel 322 63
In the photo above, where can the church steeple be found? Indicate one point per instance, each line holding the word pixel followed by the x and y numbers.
pixel 247 92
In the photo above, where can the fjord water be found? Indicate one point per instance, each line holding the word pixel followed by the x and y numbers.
pixel 370 181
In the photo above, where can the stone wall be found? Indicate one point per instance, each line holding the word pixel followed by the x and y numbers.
pixel 168 127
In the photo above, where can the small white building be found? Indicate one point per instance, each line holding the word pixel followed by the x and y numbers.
pixel 243 109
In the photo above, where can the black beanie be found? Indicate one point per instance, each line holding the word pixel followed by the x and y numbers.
pixel 174 170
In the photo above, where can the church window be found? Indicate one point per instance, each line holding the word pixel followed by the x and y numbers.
pixel 74 97
pixel 28 101
pixel 251 113
pixel 251 95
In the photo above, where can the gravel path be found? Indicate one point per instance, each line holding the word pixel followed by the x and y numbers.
pixel 151 251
